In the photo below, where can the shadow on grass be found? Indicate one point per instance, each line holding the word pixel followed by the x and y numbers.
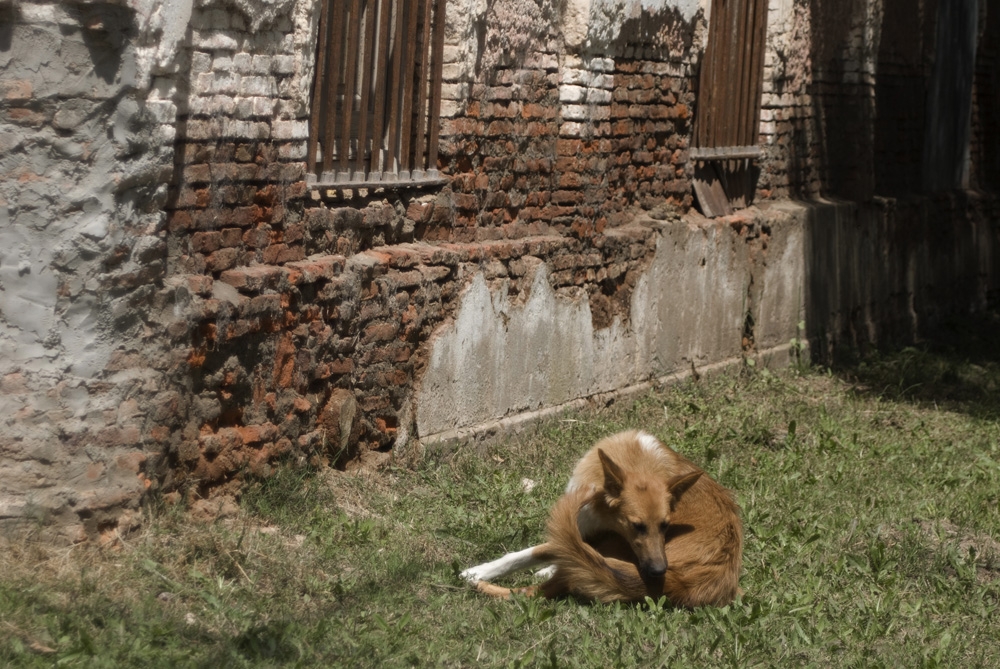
pixel 956 367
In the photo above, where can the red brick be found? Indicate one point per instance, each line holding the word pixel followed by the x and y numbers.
pixel 206 242
pixel 17 89
pixel 379 332
pixel 221 260
pixel 284 362
pixel 341 366
pixel 179 220
pixel 568 147
pixel 465 201
pixel 253 279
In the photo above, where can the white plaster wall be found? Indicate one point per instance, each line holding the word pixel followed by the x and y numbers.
pixel 90 94
pixel 499 358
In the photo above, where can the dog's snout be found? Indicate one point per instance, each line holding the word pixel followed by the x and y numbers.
pixel 651 570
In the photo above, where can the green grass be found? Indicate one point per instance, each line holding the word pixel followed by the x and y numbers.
pixel 869 497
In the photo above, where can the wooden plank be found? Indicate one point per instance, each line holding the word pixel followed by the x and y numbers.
pixel 317 92
pixel 394 88
pixel 351 45
pixel 709 80
pixel 760 44
pixel 381 86
pixel 409 73
pixel 742 137
pixel 737 33
pixel 709 189
pixel 419 161
pixel 369 47
pixel 725 152
pixel 334 66
pixel 435 110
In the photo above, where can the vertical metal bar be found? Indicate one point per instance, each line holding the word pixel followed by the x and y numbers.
pixel 735 29
pixel 317 92
pixel 717 37
pixel 704 82
pixel 747 16
pixel 409 72
pixel 336 48
pixel 381 71
pixel 351 43
pixel 421 112
pixel 369 47
pixel 394 87
pixel 435 109
pixel 760 44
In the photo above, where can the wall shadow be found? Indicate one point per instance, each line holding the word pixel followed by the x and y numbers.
pixel 842 104
pixel 955 367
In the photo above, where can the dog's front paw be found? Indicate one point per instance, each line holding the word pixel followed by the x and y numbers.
pixel 473 574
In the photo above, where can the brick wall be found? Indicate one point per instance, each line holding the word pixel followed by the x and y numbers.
pixel 237 317
pixel 305 314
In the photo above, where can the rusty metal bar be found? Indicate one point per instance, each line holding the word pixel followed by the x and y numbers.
pixel 419 162
pixel 735 31
pixel 394 87
pixel 436 74
pixel 334 65
pixel 706 82
pixel 718 71
pixel 702 114
pixel 351 46
pixel 760 44
pixel 746 55
pixel 317 92
pixel 409 73
pixel 381 84
pixel 369 47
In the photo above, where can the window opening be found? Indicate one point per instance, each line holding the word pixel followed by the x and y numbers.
pixel 377 93
pixel 727 126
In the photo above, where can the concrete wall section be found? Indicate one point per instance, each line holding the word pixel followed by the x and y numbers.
pixel 690 306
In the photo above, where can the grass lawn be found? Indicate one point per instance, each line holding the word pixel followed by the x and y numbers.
pixel 870 504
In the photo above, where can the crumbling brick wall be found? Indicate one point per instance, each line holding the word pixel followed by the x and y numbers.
pixel 306 312
pixel 183 309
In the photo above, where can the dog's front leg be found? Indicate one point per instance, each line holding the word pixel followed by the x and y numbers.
pixel 528 558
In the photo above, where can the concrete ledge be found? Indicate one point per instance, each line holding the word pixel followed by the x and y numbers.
pixel 769 359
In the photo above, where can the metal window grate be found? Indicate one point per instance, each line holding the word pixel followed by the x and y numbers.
pixel 728 120
pixel 377 93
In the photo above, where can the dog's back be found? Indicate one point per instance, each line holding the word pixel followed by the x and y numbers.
pixel 705 560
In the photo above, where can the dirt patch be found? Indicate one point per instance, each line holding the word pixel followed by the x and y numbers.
pixel 984 549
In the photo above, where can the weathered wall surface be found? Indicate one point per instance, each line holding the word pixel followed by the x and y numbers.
pixel 84 168
pixel 178 310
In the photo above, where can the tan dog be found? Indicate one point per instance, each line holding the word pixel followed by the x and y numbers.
pixel 638 519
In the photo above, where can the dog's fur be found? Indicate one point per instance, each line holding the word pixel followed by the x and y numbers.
pixel 638 519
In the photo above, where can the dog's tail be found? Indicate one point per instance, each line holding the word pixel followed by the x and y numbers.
pixel 580 568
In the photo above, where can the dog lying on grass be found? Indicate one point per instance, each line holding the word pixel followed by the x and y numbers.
pixel 638 520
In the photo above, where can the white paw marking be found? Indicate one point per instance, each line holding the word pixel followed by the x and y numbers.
pixel 545 573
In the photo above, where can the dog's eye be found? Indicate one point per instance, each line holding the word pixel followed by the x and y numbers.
pixel 663 527
pixel 640 528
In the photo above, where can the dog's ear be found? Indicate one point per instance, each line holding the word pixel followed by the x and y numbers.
pixel 679 484
pixel 614 477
